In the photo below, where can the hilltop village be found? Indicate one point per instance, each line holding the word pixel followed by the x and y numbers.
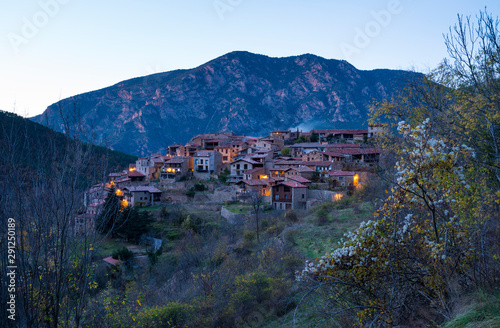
pixel 287 170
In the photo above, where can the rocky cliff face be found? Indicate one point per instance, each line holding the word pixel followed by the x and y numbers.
pixel 240 92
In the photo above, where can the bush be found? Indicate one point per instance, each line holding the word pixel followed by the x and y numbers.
pixel 322 216
pixel 291 216
pixel 168 316
pixel 200 187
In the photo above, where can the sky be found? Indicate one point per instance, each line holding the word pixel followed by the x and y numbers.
pixel 54 49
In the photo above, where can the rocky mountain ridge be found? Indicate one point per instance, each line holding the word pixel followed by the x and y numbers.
pixel 240 92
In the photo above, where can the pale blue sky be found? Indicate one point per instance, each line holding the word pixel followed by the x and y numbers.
pixel 53 49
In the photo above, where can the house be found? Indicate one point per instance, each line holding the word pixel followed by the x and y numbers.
pixel 267 144
pixel 377 129
pixel 289 195
pixel 240 166
pixel 206 163
pixel 175 168
pixel 314 156
pixel 321 167
pixel 136 176
pixel 361 155
pixel 292 163
pixel 142 195
pixel 256 173
pixel 344 178
pixel 260 186
pixel 187 150
pixel 301 171
pixel 172 150
pixel 226 152
pixel 275 172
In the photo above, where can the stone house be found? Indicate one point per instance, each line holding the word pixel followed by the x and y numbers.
pixel 142 195
pixel 289 195
pixel 240 166
pixel 206 163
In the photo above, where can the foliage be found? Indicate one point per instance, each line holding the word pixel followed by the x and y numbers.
pixel 424 239
pixel 123 254
pixel 132 223
pixel 224 176
pixel 111 210
pixel 200 187
pixel 285 151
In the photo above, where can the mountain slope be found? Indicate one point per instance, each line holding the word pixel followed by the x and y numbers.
pixel 240 92
pixel 32 147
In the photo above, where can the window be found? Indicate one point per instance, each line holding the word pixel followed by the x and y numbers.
pixel 237 166
pixel 246 166
pixel 276 197
pixel 341 178
pixel 303 195
pixel 286 197
pixel 286 189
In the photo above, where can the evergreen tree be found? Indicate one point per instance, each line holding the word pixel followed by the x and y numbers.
pixel 110 212
pixel 132 223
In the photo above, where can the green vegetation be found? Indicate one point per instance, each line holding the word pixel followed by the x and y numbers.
pixel 482 312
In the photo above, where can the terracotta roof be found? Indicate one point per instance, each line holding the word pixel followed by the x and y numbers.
pixel 302 169
pixel 333 154
pixel 308 145
pixel 150 189
pixel 255 170
pixel 254 182
pixel 299 179
pixel 135 174
pixel 111 260
pixel 177 160
pixel 360 151
pixel 343 145
pixel 122 180
pixel 248 160
pixel 291 184
pixel 342 173
pixel 289 163
pixel 319 163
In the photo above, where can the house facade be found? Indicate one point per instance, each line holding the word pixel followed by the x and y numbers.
pixel 289 196
pixel 142 195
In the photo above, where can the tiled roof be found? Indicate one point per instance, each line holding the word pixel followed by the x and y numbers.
pixel 360 151
pixel 302 169
pixel 255 170
pixel 291 184
pixel 248 160
pixel 111 260
pixel 319 163
pixel 342 173
pixel 150 189
pixel 299 179
pixel 254 182
pixel 135 174
pixel 289 163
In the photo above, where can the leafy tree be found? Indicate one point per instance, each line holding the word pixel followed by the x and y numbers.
pixel 424 243
pixel 285 151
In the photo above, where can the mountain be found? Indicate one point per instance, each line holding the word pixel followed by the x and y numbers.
pixel 240 92
pixel 31 147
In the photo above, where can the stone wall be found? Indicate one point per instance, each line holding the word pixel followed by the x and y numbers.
pixel 232 217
